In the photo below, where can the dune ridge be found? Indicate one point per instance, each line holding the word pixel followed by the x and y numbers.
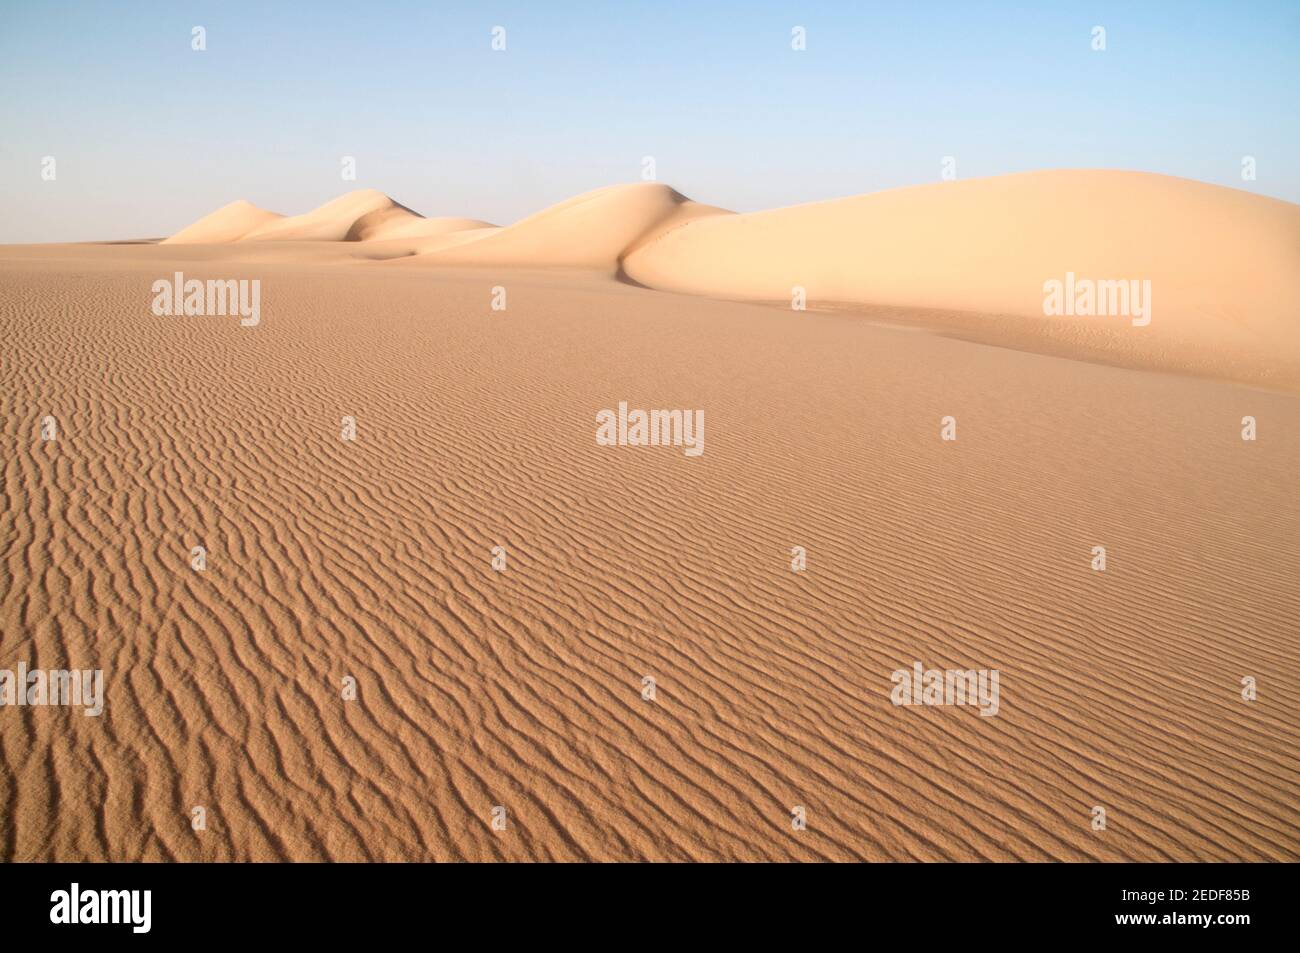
pixel 596 230
pixel 351 217
pixel 365 215
pixel 1214 272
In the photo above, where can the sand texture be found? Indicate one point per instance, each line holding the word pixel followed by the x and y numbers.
pixel 371 559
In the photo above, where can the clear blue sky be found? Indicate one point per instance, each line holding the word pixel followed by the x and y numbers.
pixel 149 135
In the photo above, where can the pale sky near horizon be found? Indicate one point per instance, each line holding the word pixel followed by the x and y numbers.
pixel 148 134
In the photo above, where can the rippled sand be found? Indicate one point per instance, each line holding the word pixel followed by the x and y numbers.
pixel 522 689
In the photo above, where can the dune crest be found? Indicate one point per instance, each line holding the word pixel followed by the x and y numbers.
pixel 596 230
pixel 350 217
pixel 366 215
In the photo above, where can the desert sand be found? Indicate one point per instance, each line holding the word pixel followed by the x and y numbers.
pixel 968 258
pixel 371 559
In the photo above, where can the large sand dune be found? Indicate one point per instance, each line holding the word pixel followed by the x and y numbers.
pixel 1223 265
pixel 1217 257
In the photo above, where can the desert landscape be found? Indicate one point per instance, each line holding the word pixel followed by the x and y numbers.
pixel 429 598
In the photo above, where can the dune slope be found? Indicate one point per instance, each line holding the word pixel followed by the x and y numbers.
pixel 425 228
pixel 227 224
pixel 1223 265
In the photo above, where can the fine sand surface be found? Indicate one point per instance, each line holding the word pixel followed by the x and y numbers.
pixel 1223 265
pixel 372 559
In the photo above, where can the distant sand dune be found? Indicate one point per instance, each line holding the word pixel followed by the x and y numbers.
pixel 365 215
pixel 227 224
pixel 971 258
pixel 350 217
pixel 596 230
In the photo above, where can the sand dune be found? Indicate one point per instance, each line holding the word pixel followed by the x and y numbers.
pixel 365 215
pixel 351 217
pixel 1214 254
pixel 1223 265
pixel 1209 275
pixel 596 230
pixel 371 560
pixel 227 224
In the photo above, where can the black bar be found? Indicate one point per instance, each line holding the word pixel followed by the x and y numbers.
pixel 949 903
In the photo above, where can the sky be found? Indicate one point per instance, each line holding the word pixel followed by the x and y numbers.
pixel 148 134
